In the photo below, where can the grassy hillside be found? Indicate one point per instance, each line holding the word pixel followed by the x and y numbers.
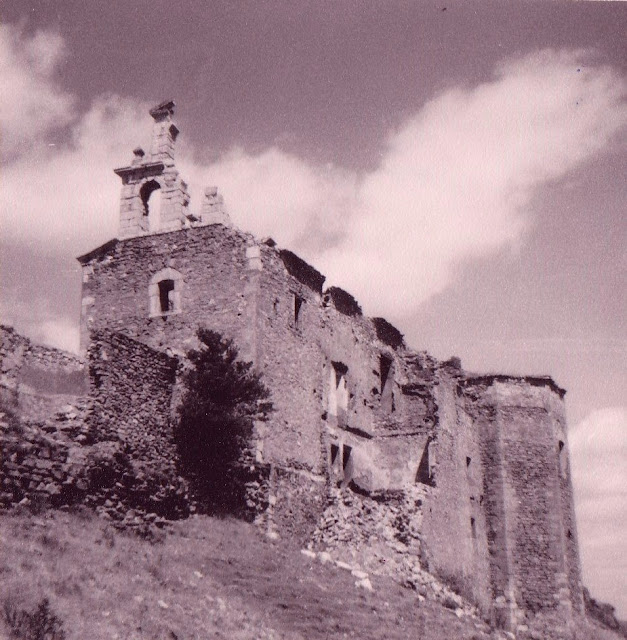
pixel 205 578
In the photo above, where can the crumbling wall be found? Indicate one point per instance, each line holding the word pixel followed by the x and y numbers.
pixel 454 515
pixel 380 532
pixel 131 387
pixel 131 391
pixel 334 383
pixel 297 502
pixel 354 409
pixel 37 380
pixel 290 361
pixel 113 450
pixel 416 405
pixel 43 461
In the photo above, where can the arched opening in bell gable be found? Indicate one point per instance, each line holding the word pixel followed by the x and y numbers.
pixel 150 194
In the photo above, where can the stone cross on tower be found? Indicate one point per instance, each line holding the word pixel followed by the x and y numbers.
pixel 154 198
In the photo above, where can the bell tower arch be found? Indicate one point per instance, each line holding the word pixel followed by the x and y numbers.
pixel 154 198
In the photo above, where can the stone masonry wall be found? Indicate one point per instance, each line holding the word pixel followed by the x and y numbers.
pixel 454 516
pixel 291 363
pixel 214 268
pixel 521 428
pixel 112 450
pixel 43 461
pixel 356 410
pixel 131 395
pixel 303 338
pixel 131 392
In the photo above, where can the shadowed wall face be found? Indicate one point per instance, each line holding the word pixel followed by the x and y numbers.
pixel 529 496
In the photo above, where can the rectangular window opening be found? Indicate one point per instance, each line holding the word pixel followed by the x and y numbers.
pixel 385 364
pixel 334 452
pixel 346 456
pixel 166 291
pixel 468 461
pixel 561 452
pixel 298 304
pixel 425 471
pixel 473 528
pixel 338 392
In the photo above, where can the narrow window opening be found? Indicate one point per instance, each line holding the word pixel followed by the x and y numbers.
pixel 385 375
pixel 346 456
pixel 561 452
pixel 425 471
pixel 338 392
pixel 334 453
pixel 468 461
pixel 473 528
pixel 164 292
pixel 342 398
pixel 343 473
pixel 166 297
pixel 298 304
pixel 385 364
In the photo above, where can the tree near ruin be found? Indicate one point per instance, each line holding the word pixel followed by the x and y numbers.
pixel 222 398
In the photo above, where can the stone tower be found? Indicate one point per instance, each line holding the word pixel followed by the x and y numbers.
pixel 154 198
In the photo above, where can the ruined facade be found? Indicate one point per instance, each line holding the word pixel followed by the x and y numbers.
pixel 480 462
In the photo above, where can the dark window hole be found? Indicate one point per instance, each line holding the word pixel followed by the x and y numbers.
pixel 166 287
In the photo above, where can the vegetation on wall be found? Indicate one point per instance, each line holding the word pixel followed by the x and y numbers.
pixel 223 396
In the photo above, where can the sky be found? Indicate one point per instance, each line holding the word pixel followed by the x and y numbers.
pixel 459 167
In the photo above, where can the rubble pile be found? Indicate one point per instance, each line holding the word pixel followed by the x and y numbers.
pixel 43 460
pixel 379 534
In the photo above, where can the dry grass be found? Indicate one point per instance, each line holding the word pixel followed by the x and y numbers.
pixel 207 578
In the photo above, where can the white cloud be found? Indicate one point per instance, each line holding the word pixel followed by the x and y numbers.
pixel 598 454
pixel 455 182
pixel 31 103
pixel 275 193
pixel 65 197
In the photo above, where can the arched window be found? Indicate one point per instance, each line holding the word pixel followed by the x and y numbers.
pixel 150 194
pixel 164 292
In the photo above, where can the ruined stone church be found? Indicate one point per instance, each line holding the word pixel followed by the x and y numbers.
pixel 473 467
